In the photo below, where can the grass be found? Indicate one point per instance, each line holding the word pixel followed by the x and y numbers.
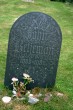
pixel 10 10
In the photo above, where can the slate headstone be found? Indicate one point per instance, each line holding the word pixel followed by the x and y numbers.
pixel 34 48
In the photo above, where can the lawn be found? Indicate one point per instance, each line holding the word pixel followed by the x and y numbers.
pixel 10 10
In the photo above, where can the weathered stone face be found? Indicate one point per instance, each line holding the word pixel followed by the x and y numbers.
pixel 34 48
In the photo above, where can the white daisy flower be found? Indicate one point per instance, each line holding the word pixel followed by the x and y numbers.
pixel 14 79
pixel 26 75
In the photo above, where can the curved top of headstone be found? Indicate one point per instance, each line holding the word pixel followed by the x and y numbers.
pixel 34 47
pixel 36 20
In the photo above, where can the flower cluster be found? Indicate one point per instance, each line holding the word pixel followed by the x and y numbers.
pixel 19 88
pixel 27 79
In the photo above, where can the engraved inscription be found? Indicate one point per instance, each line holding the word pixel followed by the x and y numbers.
pixel 37 49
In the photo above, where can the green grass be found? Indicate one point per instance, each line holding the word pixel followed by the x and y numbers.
pixel 63 14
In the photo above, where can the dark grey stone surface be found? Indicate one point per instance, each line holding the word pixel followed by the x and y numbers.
pixel 34 48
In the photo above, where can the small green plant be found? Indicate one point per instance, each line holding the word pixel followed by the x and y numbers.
pixel 19 88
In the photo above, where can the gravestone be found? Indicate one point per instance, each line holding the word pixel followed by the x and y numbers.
pixel 34 48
